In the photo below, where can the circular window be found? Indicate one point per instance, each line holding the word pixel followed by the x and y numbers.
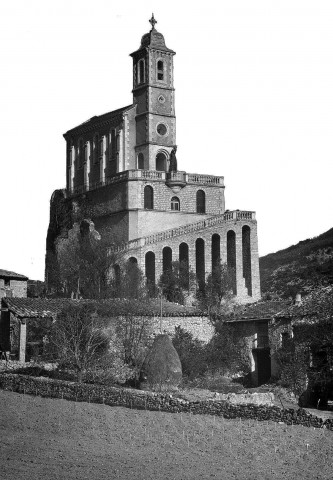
pixel 161 99
pixel 162 129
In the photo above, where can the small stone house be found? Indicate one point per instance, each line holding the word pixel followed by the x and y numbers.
pixel 267 325
pixel 315 312
pixel 252 321
pixel 12 284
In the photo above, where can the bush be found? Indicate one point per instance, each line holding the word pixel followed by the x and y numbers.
pixel 192 353
pixel 227 351
pixel 78 341
pixel 162 367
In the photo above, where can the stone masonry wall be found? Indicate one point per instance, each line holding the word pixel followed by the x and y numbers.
pixel 200 327
pixel 143 400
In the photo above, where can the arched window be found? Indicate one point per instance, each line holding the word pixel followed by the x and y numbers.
pixel 86 150
pixel 201 201
pixel 70 156
pixel 101 148
pixel 161 162
pixel 200 262
pixel 231 258
pixel 160 70
pixel 167 259
pixel 150 271
pixel 141 161
pixel 246 249
pixel 112 145
pixel 95 148
pixel 117 273
pixel 216 250
pixel 81 152
pixel 141 71
pixel 175 204
pixel 148 197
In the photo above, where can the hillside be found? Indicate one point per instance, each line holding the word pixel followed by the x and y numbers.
pixel 299 268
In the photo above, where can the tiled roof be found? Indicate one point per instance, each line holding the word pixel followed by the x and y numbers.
pixel 7 273
pixel 50 307
pixel 258 311
pixel 36 307
pixel 318 302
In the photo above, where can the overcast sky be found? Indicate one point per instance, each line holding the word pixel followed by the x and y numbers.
pixel 254 102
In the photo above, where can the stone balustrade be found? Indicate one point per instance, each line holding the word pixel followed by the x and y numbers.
pixel 204 179
pixel 179 176
pixel 184 229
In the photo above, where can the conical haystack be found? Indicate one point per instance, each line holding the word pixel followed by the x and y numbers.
pixel 162 367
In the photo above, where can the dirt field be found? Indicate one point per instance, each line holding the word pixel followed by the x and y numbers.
pixel 56 439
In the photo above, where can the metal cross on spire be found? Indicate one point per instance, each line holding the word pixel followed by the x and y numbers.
pixel 152 21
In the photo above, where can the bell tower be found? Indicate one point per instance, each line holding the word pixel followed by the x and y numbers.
pixel 154 97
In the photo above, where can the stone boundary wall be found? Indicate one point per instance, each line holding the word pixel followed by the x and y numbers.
pixel 143 400
pixel 199 326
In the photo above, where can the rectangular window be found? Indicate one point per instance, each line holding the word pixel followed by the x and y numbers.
pixel 7 282
pixel 284 339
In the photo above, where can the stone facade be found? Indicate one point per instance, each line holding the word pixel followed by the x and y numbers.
pixel 119 175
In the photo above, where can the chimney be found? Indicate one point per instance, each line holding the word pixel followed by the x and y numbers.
pixel 298 299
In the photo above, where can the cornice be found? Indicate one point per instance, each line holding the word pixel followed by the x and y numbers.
pixel 150 85
pixel 148 112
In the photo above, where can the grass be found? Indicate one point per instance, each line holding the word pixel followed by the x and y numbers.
pixel 51 438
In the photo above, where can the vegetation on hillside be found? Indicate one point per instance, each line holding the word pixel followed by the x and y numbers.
pixel 299 268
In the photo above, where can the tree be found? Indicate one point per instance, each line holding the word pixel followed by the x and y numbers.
pixel 227 350
pixel 77 338
pixel 218 292
pixel 129 283
pixel 84 264
pixel 132 328
pixel 192 353
pixel 176 280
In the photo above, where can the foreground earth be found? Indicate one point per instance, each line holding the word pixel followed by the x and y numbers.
pixel 57 439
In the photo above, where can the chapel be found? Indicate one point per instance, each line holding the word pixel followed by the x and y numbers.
pixel 124 166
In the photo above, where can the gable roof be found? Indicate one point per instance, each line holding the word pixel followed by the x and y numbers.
pixel 9 274
pixel 98 119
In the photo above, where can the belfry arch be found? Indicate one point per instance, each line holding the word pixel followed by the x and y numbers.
pixel 161 162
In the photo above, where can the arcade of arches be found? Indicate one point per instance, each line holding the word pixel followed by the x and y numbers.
pixel 203 256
